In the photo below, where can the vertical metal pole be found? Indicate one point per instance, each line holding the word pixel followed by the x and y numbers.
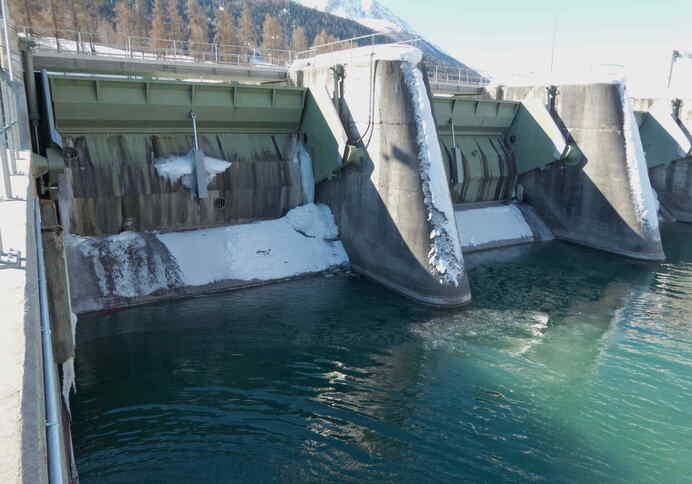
pixel 672 65
pixel 6 173
pixel 79 42
pixel 175 50
pixel 552 50
pixel 216 52
pixel 6 34
pixel 129 45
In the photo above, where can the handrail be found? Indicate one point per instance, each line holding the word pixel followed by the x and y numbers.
pixel 56 470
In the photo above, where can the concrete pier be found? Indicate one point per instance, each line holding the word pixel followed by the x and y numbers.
pixel 393 201
pixel 664 125
pixel 604 199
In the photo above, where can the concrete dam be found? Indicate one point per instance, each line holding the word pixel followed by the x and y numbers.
pixel 151 190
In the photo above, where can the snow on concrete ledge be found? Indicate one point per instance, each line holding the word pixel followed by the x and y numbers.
pixel 445 256
pixel 491 227
pixel 138 267
pixel 304 241
pixel 643 196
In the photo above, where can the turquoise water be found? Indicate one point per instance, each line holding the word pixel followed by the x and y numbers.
pixel 571 366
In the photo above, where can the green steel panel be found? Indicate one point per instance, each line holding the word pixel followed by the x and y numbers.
pixel 473 115
pixel 138 106
pixel 535 139
pixel 321 143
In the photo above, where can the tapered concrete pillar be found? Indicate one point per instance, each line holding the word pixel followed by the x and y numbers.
pixel 392 204
pixel 605 199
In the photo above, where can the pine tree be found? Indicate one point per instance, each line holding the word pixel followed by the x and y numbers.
pixel 28 13
pixel 247 28
pixel 321 38
pixel 272 34
pixel 159 29
pixel 140 23
pixel 56 11
pixel 177 25
pixel 226 28
pixel 299 40
pixel 199 29
pixel 92 17
pixel 123 21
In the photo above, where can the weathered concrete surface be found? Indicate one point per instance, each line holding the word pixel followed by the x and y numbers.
pixel 111 184
pixel 58 285
pixel 593 202
pixel 22 414
pixel 380 205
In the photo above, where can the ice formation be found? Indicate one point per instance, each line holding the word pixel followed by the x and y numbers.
pixel 175 168
pixel 129 264
pixel 302 158
pixel 445 250
pixel 645 201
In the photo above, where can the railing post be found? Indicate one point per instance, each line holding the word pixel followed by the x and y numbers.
pixel 79 42
pixel 216 52
pixel 129 45
pixel 175 50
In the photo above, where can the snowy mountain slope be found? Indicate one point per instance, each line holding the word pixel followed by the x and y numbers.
pixel 367 12
pixel 376 16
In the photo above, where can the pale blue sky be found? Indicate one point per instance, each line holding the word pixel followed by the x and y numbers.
pixel 500 36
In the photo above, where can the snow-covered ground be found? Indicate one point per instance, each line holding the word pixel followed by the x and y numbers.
pixel 133 265
pixel 304 241
pixel 487 227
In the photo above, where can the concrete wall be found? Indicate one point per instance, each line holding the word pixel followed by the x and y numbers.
pixel 23 459
pixel 601 201
pixel 380 206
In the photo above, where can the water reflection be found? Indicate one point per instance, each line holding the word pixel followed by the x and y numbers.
pixel 572 366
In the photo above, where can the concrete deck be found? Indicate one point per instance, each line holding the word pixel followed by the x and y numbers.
pixel 22 430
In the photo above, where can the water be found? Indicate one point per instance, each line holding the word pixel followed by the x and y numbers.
pixel 571 366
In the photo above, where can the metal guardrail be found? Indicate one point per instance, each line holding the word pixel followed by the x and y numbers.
pixel 453 77
pixel 72 42
pixel 361 41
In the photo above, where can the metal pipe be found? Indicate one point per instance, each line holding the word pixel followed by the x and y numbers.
pixel 193 115
pixel 32 94
pixel 56 470
pixel 6 33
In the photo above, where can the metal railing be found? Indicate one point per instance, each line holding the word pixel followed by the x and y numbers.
pixel 361 41
pixel 72 42
pixel 455 77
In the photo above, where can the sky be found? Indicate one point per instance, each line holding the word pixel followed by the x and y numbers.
pixel 506 39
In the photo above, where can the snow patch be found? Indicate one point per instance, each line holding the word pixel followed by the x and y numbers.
pixel 176 167
pixel 445 255
pixel 482 226
pixel 304 241
pixel 644 199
